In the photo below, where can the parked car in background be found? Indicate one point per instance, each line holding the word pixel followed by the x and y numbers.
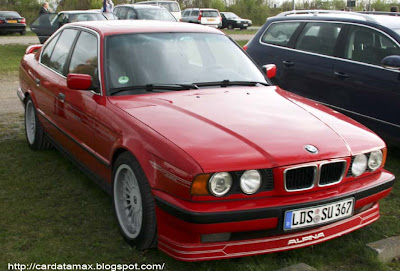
pixel 143 12
pixel 46 24
pixel 230 20
pixel 12 22
pixel 204 16
pixel 349 61
pixel 203 157
pixel 171 6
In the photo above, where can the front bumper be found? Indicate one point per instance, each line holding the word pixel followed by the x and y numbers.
pixel 258 230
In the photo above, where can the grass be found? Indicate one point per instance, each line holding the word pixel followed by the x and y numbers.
pixel 51 212
pixel 242 42
pixel 238 31
pixel 11 56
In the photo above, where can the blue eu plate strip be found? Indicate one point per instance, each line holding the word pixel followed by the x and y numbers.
pixel 288 221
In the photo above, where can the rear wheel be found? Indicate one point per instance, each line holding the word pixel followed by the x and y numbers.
pixel 134 203
pixel 35 135
pixel 229 26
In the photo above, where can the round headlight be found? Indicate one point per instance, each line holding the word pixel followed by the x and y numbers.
pixel 220 183
pixel 359 165
pixel 375 160
pixel 250 181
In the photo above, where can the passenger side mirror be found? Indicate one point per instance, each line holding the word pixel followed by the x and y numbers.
pixel 391 62
pixel 270 70
pixel 79 81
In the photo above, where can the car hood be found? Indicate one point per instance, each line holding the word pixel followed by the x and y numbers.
pixel 239 128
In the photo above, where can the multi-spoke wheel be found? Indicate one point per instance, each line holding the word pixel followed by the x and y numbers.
pixel 33 129
pixel 133 202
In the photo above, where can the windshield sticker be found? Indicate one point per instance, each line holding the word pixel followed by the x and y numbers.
pixel 123 80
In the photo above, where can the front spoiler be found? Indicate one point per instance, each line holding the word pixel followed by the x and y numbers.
pixel 232 249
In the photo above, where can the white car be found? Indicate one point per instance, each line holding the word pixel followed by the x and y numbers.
pixel 204 16
pixel 171 6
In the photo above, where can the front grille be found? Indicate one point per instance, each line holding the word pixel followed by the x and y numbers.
pixel 300 178
pixel 332 173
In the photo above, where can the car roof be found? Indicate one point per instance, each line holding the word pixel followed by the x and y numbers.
pixel 112 27
pixel 203 8
pixel 384 20
pixel 144 6
pixel 11 11
pixel 80 11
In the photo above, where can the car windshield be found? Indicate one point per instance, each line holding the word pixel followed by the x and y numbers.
pixel 175 58
pixel 86 17
pixel 155 14
pixel 9 14
pixel 230 15
pixel 209 13
pixel 170 6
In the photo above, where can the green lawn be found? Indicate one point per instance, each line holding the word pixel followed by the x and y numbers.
pixel 11 56
pixel 238 31
pixel 51 212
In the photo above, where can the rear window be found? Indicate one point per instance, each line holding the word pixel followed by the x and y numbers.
pixel 209 13
pixel 280 33
pixel 170 6
pixel 155 14
pixel 9 14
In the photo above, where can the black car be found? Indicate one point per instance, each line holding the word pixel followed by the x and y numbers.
pixel 46 24
pixel 143 12
pixel 230 20
pixel 348 61
pixel 11 22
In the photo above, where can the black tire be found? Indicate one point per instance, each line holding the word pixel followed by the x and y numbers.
pixel 229 26
pixel 23 32
pixel 146 236
pixel 35 136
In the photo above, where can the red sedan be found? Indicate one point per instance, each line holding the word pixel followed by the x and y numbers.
pixel 204 159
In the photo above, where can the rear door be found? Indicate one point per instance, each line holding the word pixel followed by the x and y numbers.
pixel 308 69
pixel 369 92
pixel 45 25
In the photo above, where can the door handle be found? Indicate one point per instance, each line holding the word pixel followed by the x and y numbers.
pixel 288 63
pixel 341 75
pixel 61 97
pixel 37 81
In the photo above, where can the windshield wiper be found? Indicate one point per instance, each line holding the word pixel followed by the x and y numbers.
pixel 152 87
pixel 226 83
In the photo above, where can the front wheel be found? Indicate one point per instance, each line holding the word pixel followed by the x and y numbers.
pixel 134 203
pixel 229 26
pixel 35 135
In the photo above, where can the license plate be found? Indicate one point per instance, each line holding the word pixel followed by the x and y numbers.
pixel 315 215
pixel 210 20
pixel 12 21
pixel 245 24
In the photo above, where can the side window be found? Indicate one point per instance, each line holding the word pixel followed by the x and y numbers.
pixel 280 33
pixel 63 19
pixel 186 13
pixel 195 13
pixel 131 14
pixel 369 46
pixel 84 58
pixel 122 14
pixel 45 59
pixel 116 11
pixel 319 38
pixel 61 50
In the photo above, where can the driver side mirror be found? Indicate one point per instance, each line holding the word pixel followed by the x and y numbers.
pixel 391 62
pixel 269 70
pixel 79 81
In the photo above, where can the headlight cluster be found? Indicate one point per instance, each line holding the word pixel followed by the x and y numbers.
pixel 219 184
pixel 371 161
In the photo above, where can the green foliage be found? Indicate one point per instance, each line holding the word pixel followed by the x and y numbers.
pixel 26 8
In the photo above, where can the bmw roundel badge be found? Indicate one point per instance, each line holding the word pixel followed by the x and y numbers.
pixel 311 149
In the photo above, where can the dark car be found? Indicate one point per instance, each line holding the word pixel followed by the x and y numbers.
pixel 348 61
pixel 46 24
pixel 230 20
pixel 143 12
pixel 11 22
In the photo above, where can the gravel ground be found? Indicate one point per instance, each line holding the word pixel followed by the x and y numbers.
pixel 9 101
pixel 27 40
pixel 241 36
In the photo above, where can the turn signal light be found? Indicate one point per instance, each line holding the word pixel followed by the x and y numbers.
pixel 199 185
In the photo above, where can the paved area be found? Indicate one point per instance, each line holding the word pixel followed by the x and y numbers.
pixel 9 101
pixel 241 36
pixel 386 249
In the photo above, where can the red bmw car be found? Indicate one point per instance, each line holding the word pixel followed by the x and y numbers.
pixel 204 158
